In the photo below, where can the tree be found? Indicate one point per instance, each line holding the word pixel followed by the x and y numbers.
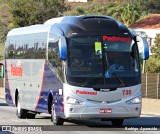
pixel 153 64
pixel 153 6
pixel 29 12
pixel 156 48
pixel 5 20
pixel 157 41
pixel 52 8
pixel 80 11
pixel 116 11
pixel 130 14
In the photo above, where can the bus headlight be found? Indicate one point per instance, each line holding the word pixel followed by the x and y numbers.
pixel 71 100
pixel 135 100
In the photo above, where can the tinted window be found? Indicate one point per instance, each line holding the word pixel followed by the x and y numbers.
pixel 54 60
pixel 29 46
pixel 19 53
pixel 107 62
pixel 10 50
pixel 82 58
pixel 41 50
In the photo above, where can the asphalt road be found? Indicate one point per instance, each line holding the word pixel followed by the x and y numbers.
pixel 42 122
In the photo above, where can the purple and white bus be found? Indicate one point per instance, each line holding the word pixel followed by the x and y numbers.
pixel 74 67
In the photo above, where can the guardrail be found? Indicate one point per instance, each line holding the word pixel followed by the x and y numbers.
pixel 151 85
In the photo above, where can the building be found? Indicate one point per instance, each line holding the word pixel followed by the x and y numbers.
pixel 148 27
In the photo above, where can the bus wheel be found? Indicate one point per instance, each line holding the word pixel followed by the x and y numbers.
pixel 117 122
pixel 56 119
pixel 52 108
pixel 21 113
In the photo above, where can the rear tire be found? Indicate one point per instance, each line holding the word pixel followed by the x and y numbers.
pixel 56 119
pixel 117 122
pixel 21 113
pixel 51 106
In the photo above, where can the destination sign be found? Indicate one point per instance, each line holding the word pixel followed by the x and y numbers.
pixel 116 38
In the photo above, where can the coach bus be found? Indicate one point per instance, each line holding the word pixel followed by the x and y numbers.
pixel 74 67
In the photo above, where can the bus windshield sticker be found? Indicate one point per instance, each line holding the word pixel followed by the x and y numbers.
pixel 98 48
pixel 115 38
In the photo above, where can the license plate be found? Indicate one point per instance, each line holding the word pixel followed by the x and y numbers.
pixel 105 110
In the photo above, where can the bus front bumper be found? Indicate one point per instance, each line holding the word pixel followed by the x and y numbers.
pixel 102 111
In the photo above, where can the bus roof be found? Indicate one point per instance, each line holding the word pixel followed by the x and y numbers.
pixel 54 21
pixel 39 28
pixel 88 24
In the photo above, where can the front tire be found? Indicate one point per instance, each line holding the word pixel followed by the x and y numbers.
pixel 117 122
pixel 21 113
pixel 56 119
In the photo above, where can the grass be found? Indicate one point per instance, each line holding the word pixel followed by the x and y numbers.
pixel 1 52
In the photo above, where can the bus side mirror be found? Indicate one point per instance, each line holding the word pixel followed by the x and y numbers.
pixel 62 48
pixel 1 70
pixel 143 47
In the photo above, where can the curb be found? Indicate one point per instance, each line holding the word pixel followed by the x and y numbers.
pixel 2 93
pixel 147 114
pixel 2 97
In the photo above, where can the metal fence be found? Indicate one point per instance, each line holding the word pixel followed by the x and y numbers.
pixel 1 82
pixel 151 85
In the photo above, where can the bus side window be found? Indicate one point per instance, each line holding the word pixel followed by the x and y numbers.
pixel 53 53
pixel 11 50
pixel 6 50
pixel 29 51
pixel 40 50
pixel 19 53
pixel 53 58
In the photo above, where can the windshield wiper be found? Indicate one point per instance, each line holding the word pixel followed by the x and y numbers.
pixel 107 62
pixel 119 79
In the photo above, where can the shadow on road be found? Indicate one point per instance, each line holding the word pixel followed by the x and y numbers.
pixel 97 123
pixel 135 122
pixel 3 104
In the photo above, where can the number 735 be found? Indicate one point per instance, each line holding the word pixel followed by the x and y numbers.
pixel 126 92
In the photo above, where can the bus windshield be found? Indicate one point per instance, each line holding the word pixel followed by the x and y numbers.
pixel 106 62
